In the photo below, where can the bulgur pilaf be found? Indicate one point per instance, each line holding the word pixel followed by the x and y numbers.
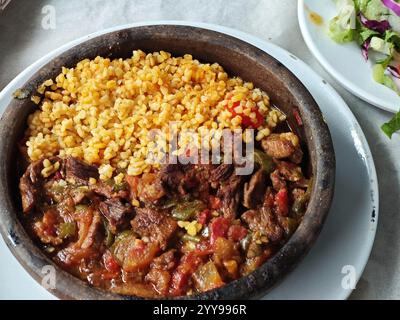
pixel 102 110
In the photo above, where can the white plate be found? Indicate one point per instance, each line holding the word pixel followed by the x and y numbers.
pixel 343 61
pixel 349 231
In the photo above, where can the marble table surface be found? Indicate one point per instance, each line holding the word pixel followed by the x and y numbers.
pixel 25 37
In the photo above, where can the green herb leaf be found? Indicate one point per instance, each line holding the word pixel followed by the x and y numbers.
pixel 392 125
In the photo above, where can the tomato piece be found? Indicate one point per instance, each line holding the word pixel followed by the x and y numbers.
pixel 134 254
pixel 203 217
pixel 246 120
pixel 219 228
pixel 133 183
pixel 180 278
pixel 214 202
pixel 207 277
pixel 282 202
pixel 297 116
pixel 237 232
pixel 109 262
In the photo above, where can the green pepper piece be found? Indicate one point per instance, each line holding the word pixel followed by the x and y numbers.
pixel 188 237
pixel 187 211
pixel 120 236
pixel 169 203
pixel 124 234
pixel 57 188
pixel 66 229
pixel 119 187
pixel 109 239
pixel 264 160
pixel 81 207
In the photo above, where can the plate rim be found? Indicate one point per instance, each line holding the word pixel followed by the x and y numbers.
pixel 261 44
pixel 326 65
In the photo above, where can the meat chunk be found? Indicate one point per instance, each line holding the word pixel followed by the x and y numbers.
pixel 86 247
pixel 160 279
pixel 166 261
pixel 254 190
pixel 264 222
pixel 184 179
pixel 289 171
pixel 108 191
pixel 160 272
pixel 29 185
pixel 171 176
pixel 277 147
pixel 157 225
pixel 28 193
pixel 149 188
pixel 277 181
pixel 222 173
pixel 177 178
pixel 230 195
pixel 80 171
pixel 283 145
pixel 46 229
pixel 116 212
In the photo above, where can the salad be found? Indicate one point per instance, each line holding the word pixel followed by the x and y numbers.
pixel 375 26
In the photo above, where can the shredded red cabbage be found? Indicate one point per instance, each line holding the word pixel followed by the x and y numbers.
pixel 379 26
pixel 365 47
pixel 394 71
pixel 392 5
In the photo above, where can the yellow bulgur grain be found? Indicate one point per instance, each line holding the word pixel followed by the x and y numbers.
pixel 35 99
pixel 103 110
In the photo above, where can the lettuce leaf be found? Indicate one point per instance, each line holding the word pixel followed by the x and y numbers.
pixel 364 34
pixel 393 37
pixel 338 33
pixel 393 125
pixel 378 73
pixel 342 27
pixel 361 5
pixel 375 10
